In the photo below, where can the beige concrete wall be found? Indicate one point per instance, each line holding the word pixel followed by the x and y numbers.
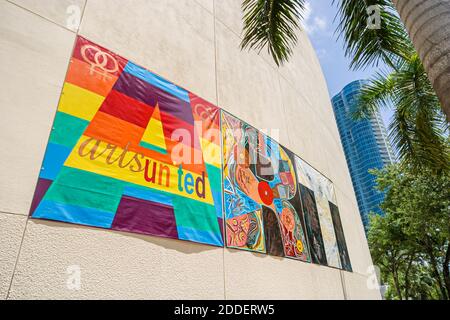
pixel 193 43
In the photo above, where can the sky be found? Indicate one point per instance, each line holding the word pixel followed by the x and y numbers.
pixel 319 22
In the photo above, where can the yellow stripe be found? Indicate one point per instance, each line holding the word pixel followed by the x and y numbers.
pixel 79 102
pixel 211 153
pixel 154 134
pixel 100 166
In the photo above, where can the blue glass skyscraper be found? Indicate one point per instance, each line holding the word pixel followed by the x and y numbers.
pixel 365 146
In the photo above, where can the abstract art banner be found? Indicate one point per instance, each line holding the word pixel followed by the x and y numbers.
pixel 319 203
pixel 261 198
pixel 131 151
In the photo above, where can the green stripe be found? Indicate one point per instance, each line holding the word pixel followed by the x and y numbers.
pixel 195 214
pixel 82 198
pixel 67 129
pixel 152 147
pixel 85 189
pixel 84 179
pixel 214 176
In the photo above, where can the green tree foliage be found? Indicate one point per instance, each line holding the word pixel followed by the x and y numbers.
pixel 410 243
pixel 418 128
pixel 369 46
pixel 272 24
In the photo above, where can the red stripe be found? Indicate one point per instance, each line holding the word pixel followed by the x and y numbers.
pixel 126 108
pixel 138 113
pixel 100 59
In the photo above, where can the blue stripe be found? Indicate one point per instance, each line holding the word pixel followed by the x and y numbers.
pixel 147 194
pixel 69 213
pixel 207 237
pixel 217 196
pixel 55 156
pixel 156 81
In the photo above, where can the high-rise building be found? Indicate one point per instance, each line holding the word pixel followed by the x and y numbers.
pixel 366 147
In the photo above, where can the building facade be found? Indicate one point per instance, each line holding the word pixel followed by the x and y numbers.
pixel 194 43
pixel 366 147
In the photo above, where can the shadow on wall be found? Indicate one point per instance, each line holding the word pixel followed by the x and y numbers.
pixel 182 246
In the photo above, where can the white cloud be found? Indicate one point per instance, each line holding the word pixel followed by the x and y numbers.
pixel 307 11
pixel 322 53
pixel 313 23
pixel 320 23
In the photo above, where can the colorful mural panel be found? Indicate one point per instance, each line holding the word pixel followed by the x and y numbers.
pixel 342 245
pixel 328 235
pixel 259 175
pixel 246 232
pixel 312 223
pixel 324 194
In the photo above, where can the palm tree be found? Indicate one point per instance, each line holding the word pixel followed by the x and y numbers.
pixel 370 46
pixel 272 24
pixel 428 24
pixel 418 126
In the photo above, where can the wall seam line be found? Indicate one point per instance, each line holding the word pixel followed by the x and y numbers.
pixel 204 8
pixel 60 95
pixel 344 290
pixel 42 17
pixel 276 69
pixel 240 38
pixel 283 107
pixel 13 213
pixel 220 124
pixel 17 259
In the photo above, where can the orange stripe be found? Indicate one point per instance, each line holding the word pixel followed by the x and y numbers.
pixel 114 130
pixel 81 74
pixel 118 132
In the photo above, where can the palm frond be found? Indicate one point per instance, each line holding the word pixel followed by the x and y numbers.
pixel 366 46
pixel 418 125
pixel 400 134
pixel 375 95
pixel 272 24
pixel 414 92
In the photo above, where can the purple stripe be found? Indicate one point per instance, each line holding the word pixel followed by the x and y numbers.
pixel 147 217
pixel 143 91
pixel 220 221
pixel 41 188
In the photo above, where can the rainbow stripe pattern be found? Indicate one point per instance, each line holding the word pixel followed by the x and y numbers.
pixel 131 151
